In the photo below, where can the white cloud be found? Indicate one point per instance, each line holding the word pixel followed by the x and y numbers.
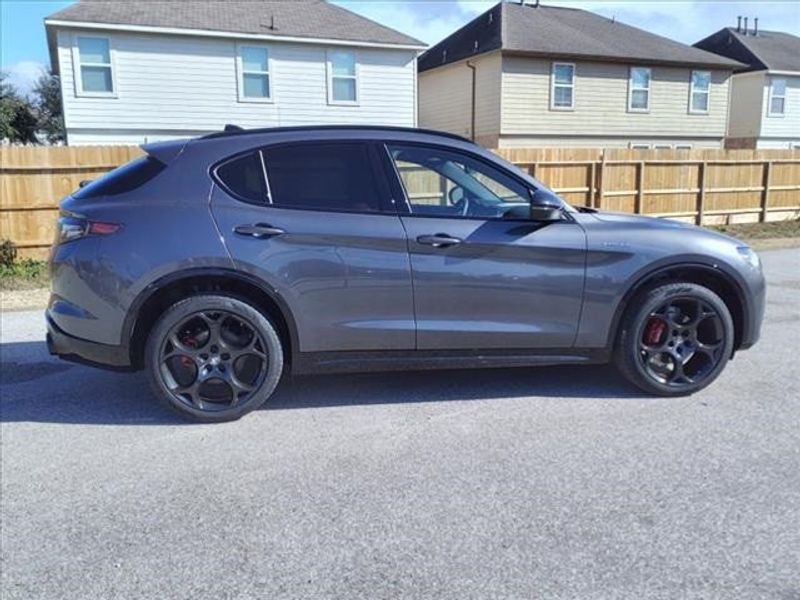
pixel 24 74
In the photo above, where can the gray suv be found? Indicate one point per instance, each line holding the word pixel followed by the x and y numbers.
pixel 216 264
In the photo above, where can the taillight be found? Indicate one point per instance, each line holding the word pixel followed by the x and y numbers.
pixel 72 227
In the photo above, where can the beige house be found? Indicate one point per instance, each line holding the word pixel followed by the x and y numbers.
pixel 765 96
pixel 523 75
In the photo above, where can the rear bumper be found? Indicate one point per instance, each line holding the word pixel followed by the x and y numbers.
pixel 82 351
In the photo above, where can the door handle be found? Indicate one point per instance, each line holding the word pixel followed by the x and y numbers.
pixel 438 240
pixel 259 230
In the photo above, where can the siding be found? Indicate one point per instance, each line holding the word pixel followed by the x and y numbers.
pixel 580 141
pixel 785 129
pixel 601 102
pixel 445 98
pixel 171 86
pixel 746 105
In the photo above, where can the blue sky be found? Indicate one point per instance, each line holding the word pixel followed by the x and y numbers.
pixel 23 47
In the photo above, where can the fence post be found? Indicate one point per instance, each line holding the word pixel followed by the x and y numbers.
pixel 592 183
pixel 601 185
pixel 637 206
pixel 534 167
pixel 765 181
pixel 701 195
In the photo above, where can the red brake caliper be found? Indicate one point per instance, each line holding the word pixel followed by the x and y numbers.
pixel 654 331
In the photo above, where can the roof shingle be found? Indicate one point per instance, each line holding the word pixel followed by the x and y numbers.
pixel 564 32
pixel 292 18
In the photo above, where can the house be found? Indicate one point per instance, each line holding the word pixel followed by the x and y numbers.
pixel 525 75
pixel 145 70
pixel 765 95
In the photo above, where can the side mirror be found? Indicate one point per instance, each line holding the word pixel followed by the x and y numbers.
pixel 545 206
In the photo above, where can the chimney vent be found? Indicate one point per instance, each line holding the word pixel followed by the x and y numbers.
pixel 739 24
pixel 755 26
pixel 745 26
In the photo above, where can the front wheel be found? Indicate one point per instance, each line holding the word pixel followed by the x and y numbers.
pixel 213 358
pixel 675 339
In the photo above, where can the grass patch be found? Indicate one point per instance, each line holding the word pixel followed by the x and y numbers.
pixel 24 274
pixel 761 231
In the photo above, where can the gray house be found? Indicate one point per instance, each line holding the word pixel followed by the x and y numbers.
pixel 765 95
pixel 525 75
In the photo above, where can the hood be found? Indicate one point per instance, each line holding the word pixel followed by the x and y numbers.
pixel 644 222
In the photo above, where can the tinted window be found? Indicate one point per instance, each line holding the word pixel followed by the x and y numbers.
pixel 123 179
pixel 244 177
pixel 326 176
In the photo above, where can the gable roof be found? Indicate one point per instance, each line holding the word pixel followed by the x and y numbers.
pixel 549 31
pixel 770 50
pixel 313 19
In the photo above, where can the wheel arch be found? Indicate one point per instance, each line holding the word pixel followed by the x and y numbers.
pixel 161 294
pixel 715 278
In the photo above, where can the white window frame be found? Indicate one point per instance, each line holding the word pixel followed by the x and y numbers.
pixel 554 85
pixel 648 89
pixel 693 91
pixel 240 73
pixel 76 67
pixel 772 95
pixel 356 77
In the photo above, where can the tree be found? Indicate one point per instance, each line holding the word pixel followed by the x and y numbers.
pixel 17 118
pixel 47 102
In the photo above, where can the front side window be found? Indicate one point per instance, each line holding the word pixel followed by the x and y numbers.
pixel 95 70
pixel 563 86
pixel 254 80
pixel 700 91
pixel 639 89
pixel 342 77
pixel 777 97
pixel 444 183
pixel 330 176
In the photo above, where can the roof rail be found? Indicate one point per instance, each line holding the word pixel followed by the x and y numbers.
pixel 235 130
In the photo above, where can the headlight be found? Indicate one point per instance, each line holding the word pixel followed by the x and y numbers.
pixel 750 256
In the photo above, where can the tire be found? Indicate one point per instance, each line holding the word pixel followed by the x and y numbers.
pixel 656 348
pixel 213 358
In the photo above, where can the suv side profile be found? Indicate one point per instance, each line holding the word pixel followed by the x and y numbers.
pixel 216 264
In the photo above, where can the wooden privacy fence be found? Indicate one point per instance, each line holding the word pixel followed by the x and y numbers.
pixel 707 186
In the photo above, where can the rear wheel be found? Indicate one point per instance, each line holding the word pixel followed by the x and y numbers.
pixel 675 339
pixel 213 358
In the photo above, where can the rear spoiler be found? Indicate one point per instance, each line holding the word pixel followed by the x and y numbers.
pixel 165 152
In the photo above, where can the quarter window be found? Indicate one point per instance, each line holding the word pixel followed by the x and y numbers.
pixel 777 97
pixel 443 183
pixel 254 83
pixel 639 89
pixel 699 92
pixel 335 177
pixel 342 77
pixel 244 178
pixel 562 91
pixel 94 60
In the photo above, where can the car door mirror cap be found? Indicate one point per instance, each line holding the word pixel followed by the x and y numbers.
pixel 546 213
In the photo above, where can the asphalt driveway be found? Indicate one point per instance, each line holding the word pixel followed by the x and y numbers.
pixel 532 483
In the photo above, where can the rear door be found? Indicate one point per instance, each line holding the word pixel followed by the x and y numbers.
pixel 314 221
pixel 485 275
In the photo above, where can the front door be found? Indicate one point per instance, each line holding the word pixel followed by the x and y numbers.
pixel 314 222
pixel 485 275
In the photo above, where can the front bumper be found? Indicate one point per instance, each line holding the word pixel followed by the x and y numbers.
pixel 82 351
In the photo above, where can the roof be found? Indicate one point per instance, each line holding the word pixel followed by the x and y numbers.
pixel 549 31
pixel 313 19
pixel 770 50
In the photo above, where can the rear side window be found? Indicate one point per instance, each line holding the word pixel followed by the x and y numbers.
pixel 244 178
pixel 123 179
pixel 324 176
